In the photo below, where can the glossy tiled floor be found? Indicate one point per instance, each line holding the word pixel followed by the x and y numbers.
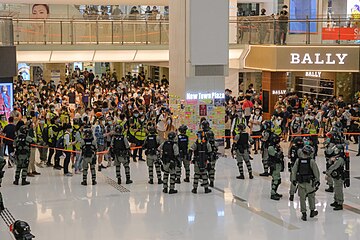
pixel 59 208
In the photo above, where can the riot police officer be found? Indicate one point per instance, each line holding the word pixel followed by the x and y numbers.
pixel 22 146
pixel 213 154
pixel 332 138
pixel 88 153
pixel 265 139
pixel 276 164
pixel 241 148
pixel 336 172
pixel 296 145
pixel 183 142
pixel 201 149
pixel 305 173
pixel 120 151
pixel 170 154
pixel 151 144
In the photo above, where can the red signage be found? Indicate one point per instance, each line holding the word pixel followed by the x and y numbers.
pixel 202 110
pixel 341 33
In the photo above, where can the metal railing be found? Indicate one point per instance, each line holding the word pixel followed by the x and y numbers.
pixel 245 30
pixel 253 30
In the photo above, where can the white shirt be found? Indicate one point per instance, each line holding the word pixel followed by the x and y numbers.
pixel 256 127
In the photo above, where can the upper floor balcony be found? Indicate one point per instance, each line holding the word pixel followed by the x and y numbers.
pixel 243 30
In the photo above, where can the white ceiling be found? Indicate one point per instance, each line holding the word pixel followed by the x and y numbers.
pixel 102 56
pixel 94 2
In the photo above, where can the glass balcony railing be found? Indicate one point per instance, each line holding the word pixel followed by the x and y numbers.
pixel 123 32
pixel 243 30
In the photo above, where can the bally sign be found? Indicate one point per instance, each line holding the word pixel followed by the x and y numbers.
pixel 304 58
pixel 318 58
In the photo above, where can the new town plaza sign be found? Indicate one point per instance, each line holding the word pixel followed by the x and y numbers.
pixel 301 58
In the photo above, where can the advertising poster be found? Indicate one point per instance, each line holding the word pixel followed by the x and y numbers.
pixel 55 76
pixel 24 70
pixel 6 99
pixel 202 110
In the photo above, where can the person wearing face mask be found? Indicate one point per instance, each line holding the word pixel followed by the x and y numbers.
pixel 100 140
pixel 39 130
pixel 109 132
pixel 296 125
pixel 134 126
pixel 51 114
pixel 313 125
pixel 255 126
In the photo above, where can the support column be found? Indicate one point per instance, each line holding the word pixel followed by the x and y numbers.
pixel 55 71
pixel 273 84
pixel 199 54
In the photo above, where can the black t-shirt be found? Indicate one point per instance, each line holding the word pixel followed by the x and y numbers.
pixel 9 132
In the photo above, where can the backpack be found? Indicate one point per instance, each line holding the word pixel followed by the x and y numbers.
pixel 168 151
pixel 60 142
pixel 119 143
pixel 22 147
pixel 151 145
pixel 88 150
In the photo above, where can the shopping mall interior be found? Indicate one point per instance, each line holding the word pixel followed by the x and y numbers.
pixel 110 113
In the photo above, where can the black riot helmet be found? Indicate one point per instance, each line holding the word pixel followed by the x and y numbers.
pixel 21 230
pixel 275 139
pixel 88 134
pixel 307 150
pixel 119 129
pixel 267 125
pixel 152 130
pixel 182 129
pixel 205 125
pixel 171 136
pixel 298 141
pixel 241 127
pixel 23 129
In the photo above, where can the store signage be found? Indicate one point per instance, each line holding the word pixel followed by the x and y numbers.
pixel 278 92
pixel 318 58
pixel 313 74
pixel 201 96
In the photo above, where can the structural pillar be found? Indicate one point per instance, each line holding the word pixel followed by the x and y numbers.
pixel 199 49
pixel 273 85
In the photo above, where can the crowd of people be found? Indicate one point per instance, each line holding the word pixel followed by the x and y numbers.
pixel 105 120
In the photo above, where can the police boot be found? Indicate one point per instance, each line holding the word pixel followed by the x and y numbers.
pixel 194 190
pixel 178 181
pixel 251 176
pixel 160 181
pixel 186 179
pixel 84 183
pixel 207 190
pixel 264 174
pixel 128 181
pixel 16 181
pixel 211 184
pixel 291 198
pixel 24 182
pixel 304 216
pixel 334 204
pixel 119 181
pixel 94 182
pixel 172 191
pixel 330 189
pixel 165 190
pixel 151 181
pixel 313 213
pixel 279 195
pixel 241 176
pixel 2 207
pixel 275 197
pixel 338 207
